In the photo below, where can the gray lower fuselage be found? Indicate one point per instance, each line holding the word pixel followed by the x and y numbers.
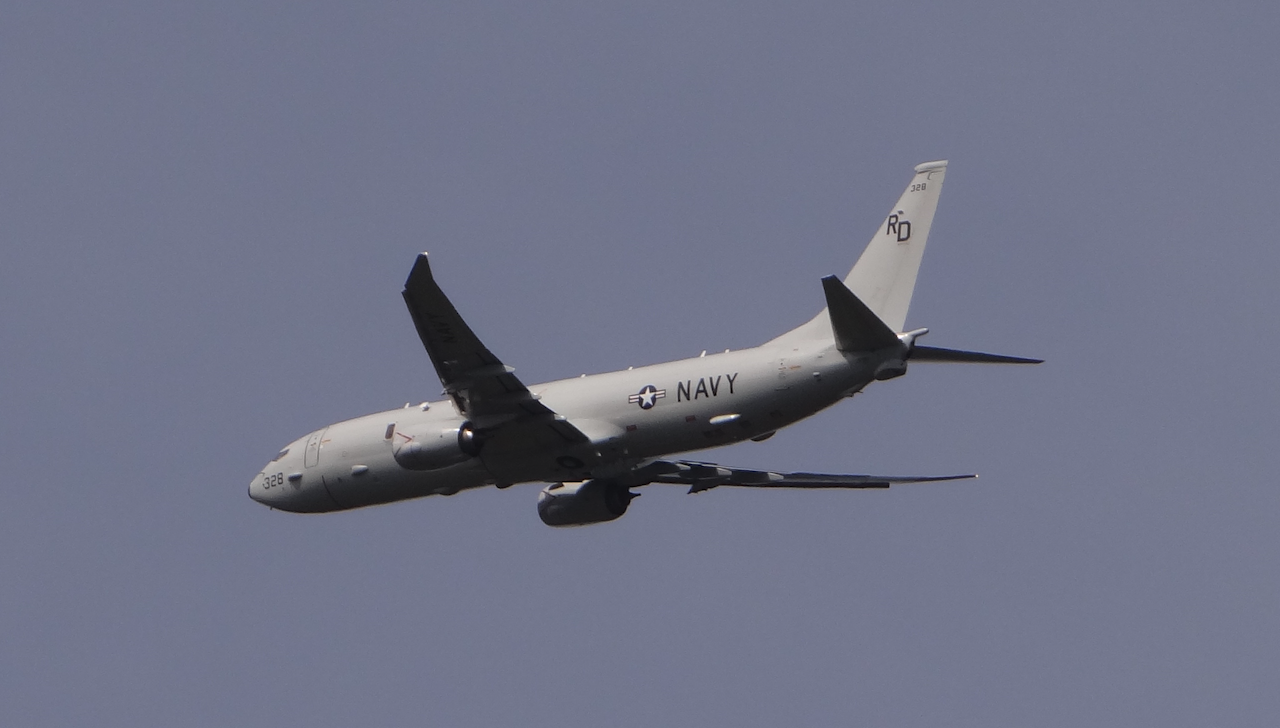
pixel 628 416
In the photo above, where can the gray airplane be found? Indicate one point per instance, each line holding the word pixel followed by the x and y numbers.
pixel 594 438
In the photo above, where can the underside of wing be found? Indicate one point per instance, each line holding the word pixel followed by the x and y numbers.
pixel 484 390
pixel 705 476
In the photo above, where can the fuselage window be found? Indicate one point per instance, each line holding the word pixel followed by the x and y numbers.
pixel 391 430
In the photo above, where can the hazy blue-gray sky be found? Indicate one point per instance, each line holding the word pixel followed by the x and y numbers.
pixel 209 210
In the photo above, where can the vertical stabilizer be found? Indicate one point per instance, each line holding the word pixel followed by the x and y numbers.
pixel 885 276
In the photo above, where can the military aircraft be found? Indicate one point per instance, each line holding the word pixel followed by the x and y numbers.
pixel 594 438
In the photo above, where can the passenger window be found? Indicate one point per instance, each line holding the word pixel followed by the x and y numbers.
pixel 391 430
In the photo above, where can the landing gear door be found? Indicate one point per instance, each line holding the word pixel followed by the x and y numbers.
pixel 313 448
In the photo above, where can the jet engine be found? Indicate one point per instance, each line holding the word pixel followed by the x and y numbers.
pixel 580 504
pixel 432 448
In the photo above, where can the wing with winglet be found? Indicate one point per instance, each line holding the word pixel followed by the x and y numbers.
pixel 705 476
pixel 484 390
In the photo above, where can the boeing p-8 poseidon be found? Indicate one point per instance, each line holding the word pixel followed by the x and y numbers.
pixel 594 438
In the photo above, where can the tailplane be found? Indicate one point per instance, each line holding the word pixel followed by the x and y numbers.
pixel 857 329
pixel 934 353
pixel 868 309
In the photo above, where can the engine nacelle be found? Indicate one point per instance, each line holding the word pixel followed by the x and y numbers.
pixel 580 504
pixel 432 448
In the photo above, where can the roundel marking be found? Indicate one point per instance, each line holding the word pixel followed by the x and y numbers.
pixel 647 397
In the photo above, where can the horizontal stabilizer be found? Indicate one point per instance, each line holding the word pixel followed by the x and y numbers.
pixel 856 327
pixel 933 353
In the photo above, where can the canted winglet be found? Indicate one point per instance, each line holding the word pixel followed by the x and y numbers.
pixel 856 327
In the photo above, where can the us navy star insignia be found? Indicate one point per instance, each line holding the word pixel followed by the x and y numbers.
pixel 647 397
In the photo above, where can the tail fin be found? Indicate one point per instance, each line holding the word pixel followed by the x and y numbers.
pixel 885 276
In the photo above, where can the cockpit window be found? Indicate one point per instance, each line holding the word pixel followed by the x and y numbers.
pixel 282 454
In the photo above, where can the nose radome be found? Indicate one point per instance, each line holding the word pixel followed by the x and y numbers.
pixel 255 488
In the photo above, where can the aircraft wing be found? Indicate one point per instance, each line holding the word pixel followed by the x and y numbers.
pixel 705 476
pixel 485 390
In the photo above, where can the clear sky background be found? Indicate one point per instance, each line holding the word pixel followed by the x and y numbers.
pixel 208 212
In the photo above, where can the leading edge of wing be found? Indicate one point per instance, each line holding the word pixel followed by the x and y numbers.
pixel 705 476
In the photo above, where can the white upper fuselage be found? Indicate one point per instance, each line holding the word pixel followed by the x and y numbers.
pixel 629 416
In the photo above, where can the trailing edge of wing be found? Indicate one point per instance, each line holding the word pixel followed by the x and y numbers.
pixel 933 353
pixel 705 476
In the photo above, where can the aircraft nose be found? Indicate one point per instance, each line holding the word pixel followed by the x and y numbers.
pixel 276 490
pixel 256 491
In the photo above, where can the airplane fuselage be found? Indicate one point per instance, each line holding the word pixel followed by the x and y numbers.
pixel 629 416
pixel 594 438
